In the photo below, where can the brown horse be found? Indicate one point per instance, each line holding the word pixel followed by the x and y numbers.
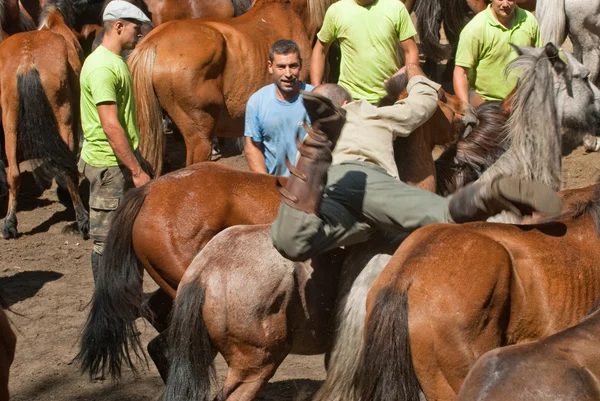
pixel 202 72
pixel 39 89
pixel 452 293
pixel 164 232
pixel 563 366
pixel 8 342
pixel 14 18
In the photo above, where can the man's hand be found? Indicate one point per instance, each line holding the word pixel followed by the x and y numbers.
pixel 140 178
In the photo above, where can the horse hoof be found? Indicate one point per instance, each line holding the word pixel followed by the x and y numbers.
pixel 9 232
pixel 84 228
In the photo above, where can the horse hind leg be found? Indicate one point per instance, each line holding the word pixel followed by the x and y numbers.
pixel 13 174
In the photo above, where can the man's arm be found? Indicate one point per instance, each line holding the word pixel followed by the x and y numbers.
pixel 317 62
pixel 255 156
pixel 411 51
pixel 461 83
pixel 408 114
pixel 117 140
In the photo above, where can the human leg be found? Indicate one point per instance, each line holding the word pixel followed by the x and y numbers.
pixel 107 186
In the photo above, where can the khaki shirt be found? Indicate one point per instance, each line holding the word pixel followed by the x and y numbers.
pixel 369 132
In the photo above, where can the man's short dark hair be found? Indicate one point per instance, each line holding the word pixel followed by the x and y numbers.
pixel 284 46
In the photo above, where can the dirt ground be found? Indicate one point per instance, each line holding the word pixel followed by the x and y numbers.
pixel 46 277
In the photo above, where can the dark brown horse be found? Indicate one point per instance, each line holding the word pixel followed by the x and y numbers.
pixel 39 88
pixel 452 293
pixel 202 72
pixel 8 342
pixel 14 18
pixel 157 230
pixel 564 366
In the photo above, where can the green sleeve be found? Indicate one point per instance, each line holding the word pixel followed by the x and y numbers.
pixel 103 85
pixel 405 27
pixel 467 52
pixel 328 32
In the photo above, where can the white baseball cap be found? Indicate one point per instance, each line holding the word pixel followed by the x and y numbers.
pixel 120 9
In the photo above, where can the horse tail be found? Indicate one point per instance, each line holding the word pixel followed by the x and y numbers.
pixel 191 351
pixel 430 21
pixel 149 112
pixel 553 21
pixel 456 14
pixel 241 7
pixel 110 334
pixel 37 131
pixel 386 371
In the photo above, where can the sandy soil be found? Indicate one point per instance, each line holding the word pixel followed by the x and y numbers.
pixel 47 279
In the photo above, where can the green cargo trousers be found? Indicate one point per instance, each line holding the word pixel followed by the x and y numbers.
pixel 359 198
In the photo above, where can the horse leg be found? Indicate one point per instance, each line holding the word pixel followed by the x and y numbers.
pixel 159 305
pixel 250 371
pixel 13 176
pixel 197 130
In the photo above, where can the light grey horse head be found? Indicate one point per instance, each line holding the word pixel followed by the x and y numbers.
pixel 577 100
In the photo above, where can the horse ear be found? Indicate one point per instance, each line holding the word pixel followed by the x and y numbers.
pixel 552 54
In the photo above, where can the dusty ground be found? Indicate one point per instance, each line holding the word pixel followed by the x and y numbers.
pixel 47 279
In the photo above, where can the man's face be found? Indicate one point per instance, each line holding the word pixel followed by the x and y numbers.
pixel 285 69
pixel 504 9
pixel 131 33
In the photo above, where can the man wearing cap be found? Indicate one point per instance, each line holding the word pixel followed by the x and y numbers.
pixel 109 156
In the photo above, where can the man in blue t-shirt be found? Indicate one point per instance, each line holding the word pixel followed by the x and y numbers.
pixel 274 113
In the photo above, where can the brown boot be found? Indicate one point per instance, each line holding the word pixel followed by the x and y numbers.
pixel 304 189
pixel 479 201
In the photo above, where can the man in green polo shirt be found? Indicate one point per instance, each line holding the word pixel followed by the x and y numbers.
pixel 484 51
pixel 108 118
pixel 369 32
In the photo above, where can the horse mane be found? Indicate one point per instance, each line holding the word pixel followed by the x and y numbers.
pixel 552 20
pixel 533 126
pixel 468 157
pixel 394 87
pixel 64 7
pixel 591 207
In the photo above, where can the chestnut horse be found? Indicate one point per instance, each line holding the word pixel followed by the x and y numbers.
pixel 563 366
pixel 154 226
pixel 452 293
pixel 8 342
pixel 202 72
pixel 39 83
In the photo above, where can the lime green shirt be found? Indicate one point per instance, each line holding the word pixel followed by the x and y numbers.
pixel 368 39
pixel 484 49
pixel 105 78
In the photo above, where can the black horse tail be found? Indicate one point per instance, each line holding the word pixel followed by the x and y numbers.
pixel 110 335
pixel 429 16
pixel 192 354
pixel 37 131
pixel 386 371
pixel 456 15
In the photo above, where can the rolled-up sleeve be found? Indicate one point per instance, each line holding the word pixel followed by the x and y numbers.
pixel 410 113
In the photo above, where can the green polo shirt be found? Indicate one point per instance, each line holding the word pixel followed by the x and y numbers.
pixel 105 78
pixel 368 38
pixel 484 49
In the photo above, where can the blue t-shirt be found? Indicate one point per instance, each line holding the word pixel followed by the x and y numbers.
pixel 275 124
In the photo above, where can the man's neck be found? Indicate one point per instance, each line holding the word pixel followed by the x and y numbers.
pixel 112 44
pixel 507 22
pixel 288 96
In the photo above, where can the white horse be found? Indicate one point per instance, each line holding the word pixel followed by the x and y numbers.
pixel 580 21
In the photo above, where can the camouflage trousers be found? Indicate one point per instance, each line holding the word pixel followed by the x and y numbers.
pixel 107 187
